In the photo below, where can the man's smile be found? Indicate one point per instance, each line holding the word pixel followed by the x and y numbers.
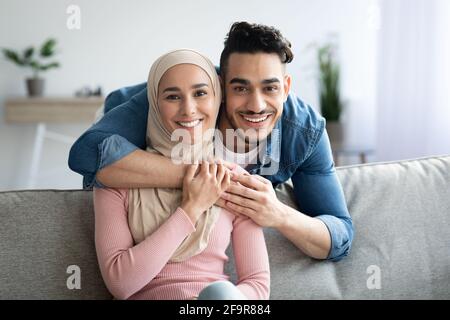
pixel 256 120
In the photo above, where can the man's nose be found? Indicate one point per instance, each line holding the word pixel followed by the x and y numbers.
pixel 256 102
pixel 188 107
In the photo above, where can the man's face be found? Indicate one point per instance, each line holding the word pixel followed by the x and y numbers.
pixel 256 87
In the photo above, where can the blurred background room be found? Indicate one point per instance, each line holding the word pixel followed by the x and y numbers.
pixel 378 70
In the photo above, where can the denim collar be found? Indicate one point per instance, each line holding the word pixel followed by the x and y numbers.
pixel 272 152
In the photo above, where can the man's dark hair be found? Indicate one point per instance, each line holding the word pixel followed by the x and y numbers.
pixel 247 37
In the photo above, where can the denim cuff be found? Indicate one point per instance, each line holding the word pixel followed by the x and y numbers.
pixel 340 239
pixel 111 150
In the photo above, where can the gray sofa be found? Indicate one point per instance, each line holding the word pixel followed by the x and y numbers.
pixel 401 249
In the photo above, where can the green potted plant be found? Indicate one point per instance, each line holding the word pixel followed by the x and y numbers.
pixel 331 105
pixel 37 61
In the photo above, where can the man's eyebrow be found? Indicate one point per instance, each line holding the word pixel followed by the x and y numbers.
pixel 271 80
pixel 247 82
pixel 240 81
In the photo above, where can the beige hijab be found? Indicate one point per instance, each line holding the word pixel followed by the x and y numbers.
pixel 150 208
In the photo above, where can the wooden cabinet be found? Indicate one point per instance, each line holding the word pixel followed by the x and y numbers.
pixel 43 111
pixel 52 110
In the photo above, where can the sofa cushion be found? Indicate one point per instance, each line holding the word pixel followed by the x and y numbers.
pixel 400 211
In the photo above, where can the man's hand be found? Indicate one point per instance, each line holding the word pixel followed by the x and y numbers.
pixel 254 197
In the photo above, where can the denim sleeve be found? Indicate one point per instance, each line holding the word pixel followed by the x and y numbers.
pixel 122 95
pixel 111 149
pixel 319 194
pixel 121 131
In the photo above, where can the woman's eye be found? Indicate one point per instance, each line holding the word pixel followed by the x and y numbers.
pixel 200 93
pixel 172 97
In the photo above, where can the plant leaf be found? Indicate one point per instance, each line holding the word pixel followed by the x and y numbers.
pixel 35 65
pixel 329 79
pixel 13 56
pixel 48 48
pixel 28 53
pixel 49 66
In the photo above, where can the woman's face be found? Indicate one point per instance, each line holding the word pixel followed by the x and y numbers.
pixel 186 100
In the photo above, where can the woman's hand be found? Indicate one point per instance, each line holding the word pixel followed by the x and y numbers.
pixel 201 190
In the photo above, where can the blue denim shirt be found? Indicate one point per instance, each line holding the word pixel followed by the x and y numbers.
pixel 300 150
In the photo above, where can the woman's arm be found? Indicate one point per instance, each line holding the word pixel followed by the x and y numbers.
pixel 252 261
pixel 126 268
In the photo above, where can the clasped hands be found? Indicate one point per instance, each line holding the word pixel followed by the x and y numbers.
pixel 240 193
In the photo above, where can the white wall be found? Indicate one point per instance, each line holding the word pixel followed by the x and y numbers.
pixel 119 40
pixel 413 114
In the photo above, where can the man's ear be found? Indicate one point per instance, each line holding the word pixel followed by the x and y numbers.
pixel 287 86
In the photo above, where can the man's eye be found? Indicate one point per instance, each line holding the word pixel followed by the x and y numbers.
pixel 272 88
pixel 240 89
pixel 172 97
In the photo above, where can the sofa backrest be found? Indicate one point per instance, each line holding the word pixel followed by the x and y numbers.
pixel 401 213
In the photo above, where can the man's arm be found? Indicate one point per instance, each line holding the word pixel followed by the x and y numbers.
pixel 322 228
pixel 256 199
pixel 308 234
pixel 141 169
pixel 111 151
pixel 319 195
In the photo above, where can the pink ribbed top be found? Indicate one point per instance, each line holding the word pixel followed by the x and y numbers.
pixel 143 271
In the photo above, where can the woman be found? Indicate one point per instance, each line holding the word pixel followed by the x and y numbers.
pixel 168 243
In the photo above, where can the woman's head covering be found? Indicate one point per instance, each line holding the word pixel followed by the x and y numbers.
pixel 157 134
pixel 149 208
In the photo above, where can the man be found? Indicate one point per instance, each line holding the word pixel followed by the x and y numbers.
pixel 257 102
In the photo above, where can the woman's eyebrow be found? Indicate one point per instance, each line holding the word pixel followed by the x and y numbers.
pixel 171 89
pixel 176 89
pixel 199 85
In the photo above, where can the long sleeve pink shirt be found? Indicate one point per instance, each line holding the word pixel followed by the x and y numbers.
pixel 143 271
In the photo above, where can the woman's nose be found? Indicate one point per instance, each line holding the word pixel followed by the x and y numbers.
pixel 188 107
